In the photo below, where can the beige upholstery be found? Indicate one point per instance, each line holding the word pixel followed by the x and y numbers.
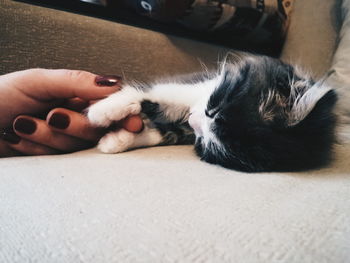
pixel 162 204
pixel 312 34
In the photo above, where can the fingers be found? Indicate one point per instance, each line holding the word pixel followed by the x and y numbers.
pixel 5 148
pixel 77 125
pixel 26 147
pixel 12 145
pixel 32 136
pixel 72 123
pixel 49 84
pixel 133 123
pixel 76 104
pixel 64 131
pixel 37 131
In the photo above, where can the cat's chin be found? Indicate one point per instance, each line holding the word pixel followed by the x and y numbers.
pixel 195 122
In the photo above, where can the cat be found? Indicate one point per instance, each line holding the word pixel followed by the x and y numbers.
pixel 254 114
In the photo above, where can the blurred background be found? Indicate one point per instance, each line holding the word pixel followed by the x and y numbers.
pixel 250 25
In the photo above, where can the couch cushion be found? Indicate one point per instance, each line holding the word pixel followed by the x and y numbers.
pixel 340 79
pixel 312 35
pixel 164 205
pixel 33 36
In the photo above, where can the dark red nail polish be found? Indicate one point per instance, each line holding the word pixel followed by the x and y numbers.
pixel 59 120
pixel 25 126
pixel 109 80
pixel 9 136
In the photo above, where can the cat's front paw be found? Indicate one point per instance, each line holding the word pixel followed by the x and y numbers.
pixel 116 142
pixel 115 108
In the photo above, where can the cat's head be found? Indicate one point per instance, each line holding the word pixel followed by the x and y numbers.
pixel 265 115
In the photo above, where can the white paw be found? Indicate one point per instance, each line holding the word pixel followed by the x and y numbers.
pixel 114 108
pixel 116 142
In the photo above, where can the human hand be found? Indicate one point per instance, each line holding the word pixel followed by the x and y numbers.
pixel 31 92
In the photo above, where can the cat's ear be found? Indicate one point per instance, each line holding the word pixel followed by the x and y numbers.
pixel 317 101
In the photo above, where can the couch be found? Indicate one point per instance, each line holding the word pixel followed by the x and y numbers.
pixel 163 204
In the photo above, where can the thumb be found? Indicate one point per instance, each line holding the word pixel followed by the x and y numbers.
pixel 49 84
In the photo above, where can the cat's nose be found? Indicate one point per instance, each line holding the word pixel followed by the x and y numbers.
pixel 195 122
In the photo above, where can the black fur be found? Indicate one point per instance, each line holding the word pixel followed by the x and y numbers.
pixel 252 144
pixel 249 141
pixel 178 132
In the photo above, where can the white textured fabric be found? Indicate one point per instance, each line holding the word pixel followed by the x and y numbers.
pixel 164 205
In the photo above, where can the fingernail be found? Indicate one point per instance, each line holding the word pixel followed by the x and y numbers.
pixel 59 120
pixel 25 126
pixel 9 136
pixel 108 80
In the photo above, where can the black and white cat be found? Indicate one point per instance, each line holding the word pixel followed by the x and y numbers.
pixel 254 114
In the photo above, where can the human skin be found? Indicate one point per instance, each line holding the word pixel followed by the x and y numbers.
pixel 40 111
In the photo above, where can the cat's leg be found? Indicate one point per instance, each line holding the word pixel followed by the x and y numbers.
pixel 123 140
pixel 168 110
pixel 116 107
pixel 172 99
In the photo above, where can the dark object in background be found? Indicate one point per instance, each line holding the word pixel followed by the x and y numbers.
pixel 251 25
pixel 245 23
pixel 161 10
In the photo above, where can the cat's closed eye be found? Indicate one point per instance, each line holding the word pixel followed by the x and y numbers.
pixel 211 113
